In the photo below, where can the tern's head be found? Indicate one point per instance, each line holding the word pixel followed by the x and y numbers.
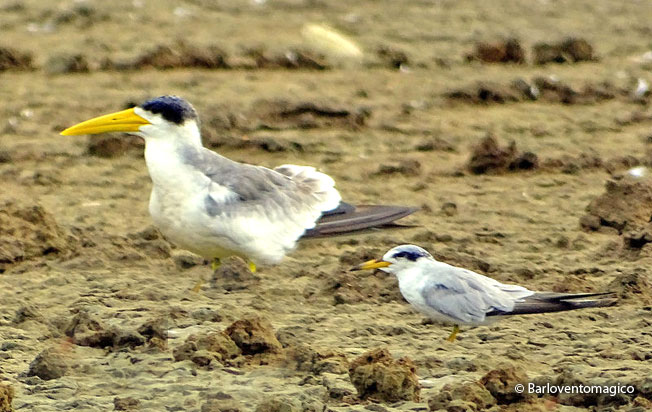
pixel 397 258
pixel 165 117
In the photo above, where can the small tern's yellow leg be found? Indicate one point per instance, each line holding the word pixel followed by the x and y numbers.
pixel 252 267
pixel 453 334
pixel 215 264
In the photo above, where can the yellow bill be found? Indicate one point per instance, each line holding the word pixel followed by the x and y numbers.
pixel 124 121
pixel 371 264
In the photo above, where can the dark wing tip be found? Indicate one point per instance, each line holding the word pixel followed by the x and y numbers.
pixel 349 219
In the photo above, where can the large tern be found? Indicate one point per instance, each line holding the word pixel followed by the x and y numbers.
pixel 216 207
pixel 458 296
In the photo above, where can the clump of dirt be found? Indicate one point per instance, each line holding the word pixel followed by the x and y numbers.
pixel 250 340
pixel 488 157
pixel 234 274
pixel 49 364
pixel 87 329
pixel 501 382
pixel 405 167
pixel 283 115
pixel 114 146
pixel 155 332
pixel 554 90
pixel 376 374
pixel 177 55
pixel 254 336
pixel 6 397
pixel 291 59
pixel 569 50
pixel 504 51
pixel 28 231
pixel 635 286
pixel 67 63
pixel 126 404
pixel 549 89
pixel 470 396
pixel 485 92
pixel 573 164
pixel 203 349
pixel 626 206
pixel 306 358
pixel 392 57
pixel 12 59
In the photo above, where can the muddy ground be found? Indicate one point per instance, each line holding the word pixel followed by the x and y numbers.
pixel 98 312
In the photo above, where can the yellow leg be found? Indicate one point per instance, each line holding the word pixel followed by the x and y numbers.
pixel 453 334
pixel 215 264
pixel 252 267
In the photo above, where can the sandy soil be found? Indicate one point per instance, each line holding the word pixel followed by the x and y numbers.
pixel 96 309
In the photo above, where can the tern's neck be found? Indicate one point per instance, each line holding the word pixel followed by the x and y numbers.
pixel 165 164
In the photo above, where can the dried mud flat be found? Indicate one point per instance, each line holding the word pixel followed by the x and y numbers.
pixel 511 125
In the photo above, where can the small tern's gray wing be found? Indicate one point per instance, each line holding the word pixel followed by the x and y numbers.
pixel 544 302
pixel 347 218
pixel 467 296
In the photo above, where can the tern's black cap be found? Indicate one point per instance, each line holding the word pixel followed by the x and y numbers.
pixel 173 109
pixel 410 252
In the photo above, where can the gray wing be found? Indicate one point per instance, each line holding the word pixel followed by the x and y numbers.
pixel 467 296
pixel 287 187
pixel 261 211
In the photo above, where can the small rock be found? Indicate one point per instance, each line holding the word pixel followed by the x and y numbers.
pixel 49 364
pixel 375 374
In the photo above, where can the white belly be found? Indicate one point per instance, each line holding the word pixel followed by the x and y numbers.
pixel 181 217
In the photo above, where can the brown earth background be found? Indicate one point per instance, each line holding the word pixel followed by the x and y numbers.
pixel 505 145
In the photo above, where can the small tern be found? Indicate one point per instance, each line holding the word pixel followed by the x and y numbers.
pixel 216 207
pixel 458 296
